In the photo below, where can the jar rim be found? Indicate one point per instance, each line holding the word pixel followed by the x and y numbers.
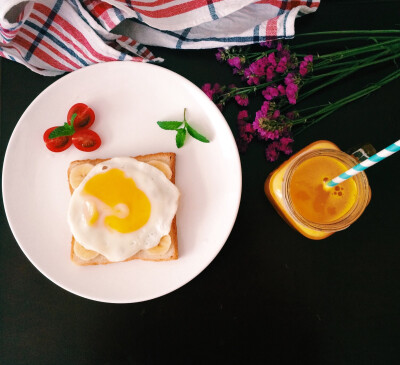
pixel 346 219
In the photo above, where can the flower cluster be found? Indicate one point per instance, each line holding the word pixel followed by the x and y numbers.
pixel 279 75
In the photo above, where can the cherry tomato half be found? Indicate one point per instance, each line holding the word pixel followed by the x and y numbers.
pixel 84 116
pixel 57 144
pixel 86 140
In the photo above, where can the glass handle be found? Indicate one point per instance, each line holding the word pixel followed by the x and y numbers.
pixel 362 152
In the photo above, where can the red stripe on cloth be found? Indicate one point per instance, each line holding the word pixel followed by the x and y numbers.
pixel 106 17
pixel 40 54
pixel 153 4
pixel 271 28
pixel 73 32
pixel 288 4
pixel 175 10
pixel 51 48
pixel 66 40
pixel 127 40
pixel 98 8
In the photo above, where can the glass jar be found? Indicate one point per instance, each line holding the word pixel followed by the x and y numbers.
pixel 279 190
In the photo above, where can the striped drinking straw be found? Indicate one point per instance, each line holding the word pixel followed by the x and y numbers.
pixel 381 155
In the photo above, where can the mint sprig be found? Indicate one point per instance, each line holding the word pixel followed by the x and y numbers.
pixel 182 128
pixel 65 130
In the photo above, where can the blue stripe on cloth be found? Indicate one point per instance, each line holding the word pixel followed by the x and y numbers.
pixel 6 40
pixel 376 158
pixel 211 9
pixel 42 31
pixel 140 47
pixel 121 56
pixel 128 3
pixel 182 38
pixel 234 39
pixel 58 43
pixel 284 24
pixel 139 16
pixel 118 14
pixel 256 33
pixel 393 148
pixel 283 7
pixel 85 20
pixel 220 39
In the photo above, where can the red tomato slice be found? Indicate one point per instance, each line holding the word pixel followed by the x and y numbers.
pixel 84 116
pixel 86 140
pixel 57 144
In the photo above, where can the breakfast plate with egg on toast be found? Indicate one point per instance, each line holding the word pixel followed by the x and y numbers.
pixel 137 217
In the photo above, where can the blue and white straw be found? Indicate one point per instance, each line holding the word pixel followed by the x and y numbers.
pixel 381 155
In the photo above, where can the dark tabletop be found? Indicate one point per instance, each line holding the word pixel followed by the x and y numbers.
pixel 271 296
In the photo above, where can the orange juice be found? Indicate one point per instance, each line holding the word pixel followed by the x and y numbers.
pixel 312 199
pixel 298 192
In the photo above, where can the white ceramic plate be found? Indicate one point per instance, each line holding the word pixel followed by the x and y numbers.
pixel 128 99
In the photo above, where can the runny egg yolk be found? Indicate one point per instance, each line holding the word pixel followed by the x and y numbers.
pixel 130 206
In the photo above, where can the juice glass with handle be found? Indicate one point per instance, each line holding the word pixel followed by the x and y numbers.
pixel 298 192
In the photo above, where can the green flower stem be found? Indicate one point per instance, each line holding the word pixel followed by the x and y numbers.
pixel 357 66
pixel 341 74
pixel 352 32
pixel 323 66
pixel 360 50
pixel 329 109
pixel 337 40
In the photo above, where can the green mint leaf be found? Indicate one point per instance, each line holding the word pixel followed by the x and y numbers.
pixel 170 125
pixel 196 134
pixel 180 137
pixel 65 130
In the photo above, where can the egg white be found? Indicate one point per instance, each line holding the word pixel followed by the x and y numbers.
pixel 116 246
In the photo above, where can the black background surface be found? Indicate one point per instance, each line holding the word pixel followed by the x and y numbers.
pixel 271 296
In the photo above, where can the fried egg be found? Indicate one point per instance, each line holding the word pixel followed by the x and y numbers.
pixel 121 207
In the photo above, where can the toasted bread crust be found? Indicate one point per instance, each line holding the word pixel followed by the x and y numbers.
pixel 172 253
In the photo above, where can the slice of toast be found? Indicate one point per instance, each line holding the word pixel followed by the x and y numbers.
pixel 172 253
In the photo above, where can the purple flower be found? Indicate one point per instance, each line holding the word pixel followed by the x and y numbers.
pixel 282 90
pixel 266 44
pixel 282 65
pixel 235 62
pixel 289 79
pixel 271 152
pixel 264 108
pixel 306 65
pixel 274 148
pixel 270 93
pixel 242 99
pixel 243 115
pixel 210 91
pixel 258 67
pixel 262 118
pixel 291 93
pixel 253 80
pixel 271 59
pixel 308 58
pixel 246 131
pixel 270 74
pixel 220 55
pixel 284 145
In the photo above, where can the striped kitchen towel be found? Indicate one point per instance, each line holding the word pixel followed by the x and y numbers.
pixel 56 36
